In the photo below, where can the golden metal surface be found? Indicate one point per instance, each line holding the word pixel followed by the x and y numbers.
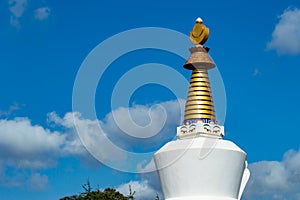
pixel 199 59
pixel 191 107
pixel 199 116
pixel 200 74
pixel 207 98
pixel 196 111
pixel 199 71
pixel 200 89
pixel 195 92
pixel 199 97
pixel 200 33
pixel 201 83
pixel 198 102
pixel 203 79
pixel 199 93
pixel 197 84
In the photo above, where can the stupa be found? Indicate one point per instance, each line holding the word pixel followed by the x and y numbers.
pixel 200 164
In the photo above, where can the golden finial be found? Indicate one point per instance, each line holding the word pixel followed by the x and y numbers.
pixel 200 32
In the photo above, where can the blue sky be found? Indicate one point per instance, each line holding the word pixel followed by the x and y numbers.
pixel 255 44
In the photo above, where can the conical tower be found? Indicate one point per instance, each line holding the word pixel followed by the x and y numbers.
pixel 199 105
pixel 199 115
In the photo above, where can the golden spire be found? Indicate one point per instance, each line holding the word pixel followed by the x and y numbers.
pixel 199 105
pixel 199 115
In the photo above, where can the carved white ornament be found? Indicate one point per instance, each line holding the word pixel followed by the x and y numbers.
pixel 200 129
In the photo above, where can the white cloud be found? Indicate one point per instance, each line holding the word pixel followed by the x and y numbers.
pixel 42 13
pixel 143 191
pixel 145 121
pixel 286 36
pixel 93 138
pixel 24 145
pixel 71 144
pixel 274 179
pixel 38 181
pixel 26 148
pixel 148 185
pixel 31 147
pixel 11 109
pixel 14 21
pixel 120 133
pixel 23 179
pixel 17 9
pixel 256 72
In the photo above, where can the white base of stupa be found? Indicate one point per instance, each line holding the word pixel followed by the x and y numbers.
pixel 202 169
pixel 201 198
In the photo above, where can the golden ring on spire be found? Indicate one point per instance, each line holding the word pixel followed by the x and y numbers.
pixel 194 92
pixel 196 84
pixel 193 79
pixel 199 116
pixel 196 102
pixel 200 74
pixel 203 79
pixel 201 84
pixel 187 112
pixel 199 89
pixel 207 107
pixel 208 98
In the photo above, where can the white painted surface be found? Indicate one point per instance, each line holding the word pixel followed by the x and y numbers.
pixel 200 169
pixel 245 179
pixel 202 198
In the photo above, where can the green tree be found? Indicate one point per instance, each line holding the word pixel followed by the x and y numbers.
pixel 131 194
pixel 107 194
